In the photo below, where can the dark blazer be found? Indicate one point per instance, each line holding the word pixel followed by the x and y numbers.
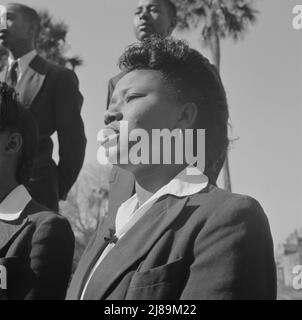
pixel 52 95
pixel 37 251
pixel 212 245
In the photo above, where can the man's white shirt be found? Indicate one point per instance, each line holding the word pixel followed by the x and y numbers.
pixel 23 63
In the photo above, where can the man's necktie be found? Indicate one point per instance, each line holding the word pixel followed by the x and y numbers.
pixel 13 76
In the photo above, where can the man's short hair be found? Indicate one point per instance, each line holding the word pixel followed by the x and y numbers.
pixel 16 119
pixel 193 79
pixel 29 14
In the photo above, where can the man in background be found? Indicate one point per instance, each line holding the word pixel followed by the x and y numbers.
pixel 151 17
pixel 52 94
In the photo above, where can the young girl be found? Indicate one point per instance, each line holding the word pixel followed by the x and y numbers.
pixel 36 245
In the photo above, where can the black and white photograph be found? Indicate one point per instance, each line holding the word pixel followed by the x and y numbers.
pixel 150 150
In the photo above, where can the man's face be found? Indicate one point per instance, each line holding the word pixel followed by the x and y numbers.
pixel 145 101
pixel 19 30
pixel 152 17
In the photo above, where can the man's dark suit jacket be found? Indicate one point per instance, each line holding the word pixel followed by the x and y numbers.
pixel 212 245
pixel 53 96
pixel 37 251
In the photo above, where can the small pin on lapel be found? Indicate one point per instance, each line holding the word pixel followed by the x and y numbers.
pixel 112 237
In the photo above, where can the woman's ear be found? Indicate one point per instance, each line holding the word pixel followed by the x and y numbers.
pixel 188 115
pixel 14 143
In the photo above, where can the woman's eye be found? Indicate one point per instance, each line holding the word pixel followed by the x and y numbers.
pixel 129 98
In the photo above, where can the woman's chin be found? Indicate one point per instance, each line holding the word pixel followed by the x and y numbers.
pixel 118 157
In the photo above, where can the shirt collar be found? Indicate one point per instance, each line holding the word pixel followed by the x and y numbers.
pixel 183 184
pixel 14 204
pixel 188 182
pixel 24 61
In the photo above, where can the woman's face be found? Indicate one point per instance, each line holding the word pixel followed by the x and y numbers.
pixel 145 100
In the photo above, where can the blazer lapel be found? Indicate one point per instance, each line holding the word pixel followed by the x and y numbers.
pixel 9 231
pixel 31 82
pixel 134 245
pixel 89 259
pixel 29 86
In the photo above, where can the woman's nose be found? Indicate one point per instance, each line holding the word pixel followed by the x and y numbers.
pixel 112 116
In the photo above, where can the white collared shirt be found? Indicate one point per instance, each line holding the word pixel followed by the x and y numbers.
pixel 181 186
pixel 129 212
pixel 23 63
pixel 14 204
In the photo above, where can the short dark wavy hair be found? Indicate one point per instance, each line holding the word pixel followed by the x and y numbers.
pixel 16 119
pixel 194 79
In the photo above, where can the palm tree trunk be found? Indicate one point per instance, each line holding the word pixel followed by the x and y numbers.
pixel 215 50
pixel 226 174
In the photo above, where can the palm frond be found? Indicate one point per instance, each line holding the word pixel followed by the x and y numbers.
pixel 225 18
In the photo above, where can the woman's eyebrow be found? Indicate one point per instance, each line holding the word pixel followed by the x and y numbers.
pixel 112 100
pixel 126 90
pixel 120 93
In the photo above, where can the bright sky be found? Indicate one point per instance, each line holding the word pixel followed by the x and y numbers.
pixel 262 76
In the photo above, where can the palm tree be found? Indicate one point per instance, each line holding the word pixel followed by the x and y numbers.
pixel 51 42
pixel 74 62
pixel 216 20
